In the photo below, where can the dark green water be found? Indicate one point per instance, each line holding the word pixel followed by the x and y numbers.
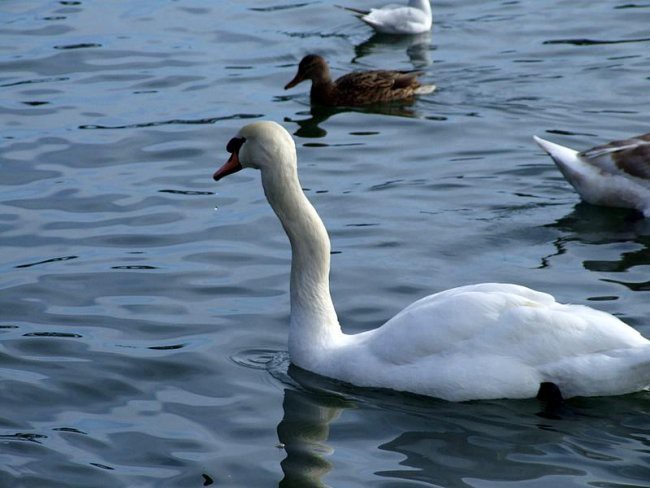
pixel 143 333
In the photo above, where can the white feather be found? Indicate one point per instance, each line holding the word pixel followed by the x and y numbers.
pixel 415 18
pixel 597 179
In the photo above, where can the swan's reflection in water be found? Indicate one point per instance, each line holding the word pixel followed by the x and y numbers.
pixel 304 431
pixel 427 442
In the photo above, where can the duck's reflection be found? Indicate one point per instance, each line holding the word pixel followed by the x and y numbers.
pixel 310 128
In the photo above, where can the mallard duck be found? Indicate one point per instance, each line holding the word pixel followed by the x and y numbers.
pixel 357 88
pixel 483 341
pixel 616 174
pixel 397 19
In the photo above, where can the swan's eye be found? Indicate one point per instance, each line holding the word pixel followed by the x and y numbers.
pixel 235 144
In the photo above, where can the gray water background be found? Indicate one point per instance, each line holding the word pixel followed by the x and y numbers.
pixel 144 308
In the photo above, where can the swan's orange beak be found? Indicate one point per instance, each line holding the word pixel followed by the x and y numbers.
pixel 296 79
pixel 232 166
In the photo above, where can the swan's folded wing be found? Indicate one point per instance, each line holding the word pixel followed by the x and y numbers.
pixel 494 319
pixel 441 323
pixel 629 156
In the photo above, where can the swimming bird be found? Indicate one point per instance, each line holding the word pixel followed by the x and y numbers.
pixel 359 87
pixel 397 19
pixel 616 174
pixel 481 341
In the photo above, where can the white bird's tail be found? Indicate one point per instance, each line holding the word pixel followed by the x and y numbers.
pixel 560 154
pixel 424 89
pixel 616 372
pixel 625 372
pixel 568 161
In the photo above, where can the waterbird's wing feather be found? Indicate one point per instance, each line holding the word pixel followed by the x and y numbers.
pixel 629 156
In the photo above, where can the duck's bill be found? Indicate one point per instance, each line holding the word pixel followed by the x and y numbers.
pixel 232 166
pixel 297 79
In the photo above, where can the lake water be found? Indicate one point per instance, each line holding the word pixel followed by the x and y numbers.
pixel 144 308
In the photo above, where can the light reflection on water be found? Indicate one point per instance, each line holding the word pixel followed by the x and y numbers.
pixel 143 308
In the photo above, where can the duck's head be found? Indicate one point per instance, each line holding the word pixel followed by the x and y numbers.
pixel 312 67
pixel 261 145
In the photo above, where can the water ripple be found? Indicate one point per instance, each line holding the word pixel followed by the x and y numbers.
pixel 144 333
pixel 210 120
pixel 592 42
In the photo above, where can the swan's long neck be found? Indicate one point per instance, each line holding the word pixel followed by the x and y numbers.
pixel 314 325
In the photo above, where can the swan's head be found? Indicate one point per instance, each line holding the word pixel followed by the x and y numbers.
pixel 312 67
pixel 262 145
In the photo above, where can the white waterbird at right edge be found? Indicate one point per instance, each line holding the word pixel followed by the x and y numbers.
pixel 613 175
pixel 483 341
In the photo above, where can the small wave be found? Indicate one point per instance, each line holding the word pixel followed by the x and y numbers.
pixel 140 125
pixel 259 358
pixel 83 45
pixel 63 335
pixel 21 436
pixel 135 266
pixel 38 80
pixel 594 42
pixel 187 192
pixel 278 7
pixel 167 348
pixel 46 261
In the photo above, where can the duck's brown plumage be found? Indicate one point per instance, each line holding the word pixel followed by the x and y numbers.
pixel 356 88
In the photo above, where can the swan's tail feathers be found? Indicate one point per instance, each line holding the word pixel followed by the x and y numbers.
pixel 625 371
pixel 614 372
pixel 425 89
pixel 355 11
pixel 638 368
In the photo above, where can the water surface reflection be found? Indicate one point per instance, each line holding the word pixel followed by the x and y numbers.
pixel 418 48
pixel 431 442
pixel 622 239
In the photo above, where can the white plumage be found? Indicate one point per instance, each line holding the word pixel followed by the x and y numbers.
pixel 414 18
pixel 473 342
pixel 616 174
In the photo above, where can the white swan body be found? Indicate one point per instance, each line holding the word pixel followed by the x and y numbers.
pixel 614 175
pixel 414 18
pixel 473 342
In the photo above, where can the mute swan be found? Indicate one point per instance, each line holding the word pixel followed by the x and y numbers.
pixel 397 19
pixel 614 175
pixel 480 341
pixel 356 88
